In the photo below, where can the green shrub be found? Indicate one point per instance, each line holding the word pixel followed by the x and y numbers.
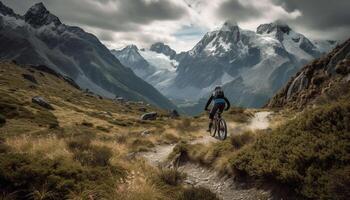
pixel 26 175
pixel 303 152
pixel 238 141
pixel 196 193
pixel 2 120
pixel 79 144
pixel 88 154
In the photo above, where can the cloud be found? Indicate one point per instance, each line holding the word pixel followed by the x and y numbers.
pixel 182 23
pixel 322 18
pixel 251 13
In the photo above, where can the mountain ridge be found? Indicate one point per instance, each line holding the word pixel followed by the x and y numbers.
pixel 318 78
pixel 250 65
pixel 39 38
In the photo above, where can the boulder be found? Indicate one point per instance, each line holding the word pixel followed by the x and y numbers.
pixel 149 116
pixel 30 78
pixel 142 109
pixel 174 114
pixel 145 133
pixel 119 99
pixel 42 102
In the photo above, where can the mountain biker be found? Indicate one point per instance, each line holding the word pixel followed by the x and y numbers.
pixel 219 104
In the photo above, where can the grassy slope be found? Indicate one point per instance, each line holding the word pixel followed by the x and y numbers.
pixel 307 152
pixel 84 147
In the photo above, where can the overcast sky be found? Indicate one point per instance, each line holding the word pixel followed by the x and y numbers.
pixel 182 23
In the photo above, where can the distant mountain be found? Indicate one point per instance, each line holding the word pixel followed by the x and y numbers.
pixel 160 47
pixel 250 65
pixel 153 65
pixel 328 76
pixel 40 38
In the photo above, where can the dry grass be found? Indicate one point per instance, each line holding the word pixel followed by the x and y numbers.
pixel 50 147
pixel 138 187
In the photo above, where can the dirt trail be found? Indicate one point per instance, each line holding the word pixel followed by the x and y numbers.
pixel 197 175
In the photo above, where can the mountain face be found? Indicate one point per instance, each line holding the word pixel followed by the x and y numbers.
pixel 39 38
pixel 250 65
pixel 323 76
pixel 153 66
pixel 130 56
pixel 160 47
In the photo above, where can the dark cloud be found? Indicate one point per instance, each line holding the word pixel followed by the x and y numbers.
pixel 234 10
pixel 332 17
pixel 320 13
pixel 117 15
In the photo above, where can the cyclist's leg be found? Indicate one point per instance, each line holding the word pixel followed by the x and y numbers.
pixel 211 115
pixel 221 107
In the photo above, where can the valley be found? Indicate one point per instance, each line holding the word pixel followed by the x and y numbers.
pixel 81 119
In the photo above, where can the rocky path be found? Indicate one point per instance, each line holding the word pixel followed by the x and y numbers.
pixel 197 175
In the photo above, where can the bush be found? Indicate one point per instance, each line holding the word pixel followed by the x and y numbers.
pixel 79 144
pixel 88 154
pixel 138 142
pixel 196 194
pixel 238 115
pixel 104 129
pixel 238 141
pixel 186 125
pixel 2 120
pixel 303 152
pixel 87 124
pixel 170 176
pixel 24 175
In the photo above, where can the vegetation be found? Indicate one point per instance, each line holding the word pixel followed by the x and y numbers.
pixel 80 150
pixel 237 114
pixel 30 175
pixel 308 154
pixel 197 193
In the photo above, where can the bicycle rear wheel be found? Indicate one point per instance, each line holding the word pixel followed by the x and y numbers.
pixel 222 129
pixel 213 129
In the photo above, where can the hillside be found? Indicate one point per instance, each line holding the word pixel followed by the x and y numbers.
pixel 328 76
pixel 40 38
pixel 81 146
pixel 304 154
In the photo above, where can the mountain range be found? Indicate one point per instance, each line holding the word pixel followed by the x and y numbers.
pixel 251 65
pixel 40 38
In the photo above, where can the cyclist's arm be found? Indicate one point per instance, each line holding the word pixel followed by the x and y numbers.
pixel 228 103
pixel 208 102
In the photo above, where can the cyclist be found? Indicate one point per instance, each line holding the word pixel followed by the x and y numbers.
pixel 220 101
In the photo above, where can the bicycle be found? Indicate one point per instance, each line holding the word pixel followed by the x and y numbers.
pixel 219 126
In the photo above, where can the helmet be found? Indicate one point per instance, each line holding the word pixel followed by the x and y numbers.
pixel 218 92
pixel 217 88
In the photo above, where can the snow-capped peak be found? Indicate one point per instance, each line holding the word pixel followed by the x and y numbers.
pixel 4 10
pixel 131 47
pixel 229 26
pixel 38 16
pixel 160 47
pixel 278 27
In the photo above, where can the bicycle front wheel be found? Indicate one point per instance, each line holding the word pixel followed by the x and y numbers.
pixel 222 129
